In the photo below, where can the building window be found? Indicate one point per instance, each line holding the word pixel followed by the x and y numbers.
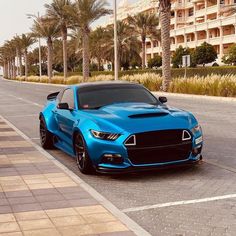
pixel 190 12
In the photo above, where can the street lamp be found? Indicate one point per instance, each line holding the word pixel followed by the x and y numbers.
pixel 115 42
pixel 39 42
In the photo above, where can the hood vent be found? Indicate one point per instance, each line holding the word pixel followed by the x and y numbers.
pixel 147 115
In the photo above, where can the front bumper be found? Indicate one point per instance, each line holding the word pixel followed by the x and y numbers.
pixel 133 169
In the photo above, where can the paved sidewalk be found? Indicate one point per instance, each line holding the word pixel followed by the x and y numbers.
pixel 39 198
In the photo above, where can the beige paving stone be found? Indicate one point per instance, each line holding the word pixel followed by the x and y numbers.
pixel 64 184
pixel 108 227
pixel 35 224
pixel 4 161
pixel 12 182
pixel 42 232
pixel 18 160
pixel 9 188
pixel 9 227
pixel 4 126
pixel 8 133
pixel 12 234
pixel 29 177
pixel 99 218
pixel 61 212
pixel 67 221
pixel 91 209
pixel 10 178
pixel 40 186
pixel 76 230
pixel 15 144
pixel 7 218
pixel 40 180
pixel 31 215
pixel 55 175
pixel 3 156
pixel 59 179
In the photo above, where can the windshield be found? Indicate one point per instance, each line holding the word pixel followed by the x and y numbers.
pixel 97 97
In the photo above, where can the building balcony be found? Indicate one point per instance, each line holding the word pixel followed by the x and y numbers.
pixel 149 50
pixel 212 9
pixel 197 1
pixel 229 39
pixel 191 44
pixel 177 5
pixel 201 12
pixel 215 41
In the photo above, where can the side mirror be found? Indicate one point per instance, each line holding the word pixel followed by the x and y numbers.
pixel 163 99
pixel 63 106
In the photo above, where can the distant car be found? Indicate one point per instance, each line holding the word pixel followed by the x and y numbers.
pixel 116 127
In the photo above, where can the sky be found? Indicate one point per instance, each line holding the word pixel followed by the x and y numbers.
pixel 13 16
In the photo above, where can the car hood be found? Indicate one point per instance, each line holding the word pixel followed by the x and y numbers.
pixel 140 117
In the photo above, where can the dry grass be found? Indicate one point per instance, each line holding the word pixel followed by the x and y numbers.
pixel 213 85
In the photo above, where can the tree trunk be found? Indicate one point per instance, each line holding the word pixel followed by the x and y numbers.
pixel 64 41
pixel 9 69
pixel 14 68
pixel 85 55
pixel 49 45
pixel 165 16
pixel 26 63
pixel 143 53
pixel 20 63
pixel 5 70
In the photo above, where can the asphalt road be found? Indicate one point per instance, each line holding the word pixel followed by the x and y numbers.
pixel 198 200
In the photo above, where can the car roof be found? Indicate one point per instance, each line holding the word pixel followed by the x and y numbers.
pixel 103 83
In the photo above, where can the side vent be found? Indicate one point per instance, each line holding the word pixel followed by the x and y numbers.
pixel 131 141
pixel 186 135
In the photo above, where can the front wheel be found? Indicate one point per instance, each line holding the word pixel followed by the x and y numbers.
pixel 82 158
pixel 46 137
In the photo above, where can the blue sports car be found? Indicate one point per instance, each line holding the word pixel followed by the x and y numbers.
pixel 116 127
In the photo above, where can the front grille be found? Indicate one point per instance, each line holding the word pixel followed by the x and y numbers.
pixel 159 138
pixel 159 147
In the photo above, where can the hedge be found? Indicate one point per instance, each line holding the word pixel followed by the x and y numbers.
pixel 177 72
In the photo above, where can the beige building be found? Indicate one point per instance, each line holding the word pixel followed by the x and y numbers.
pixel 193 22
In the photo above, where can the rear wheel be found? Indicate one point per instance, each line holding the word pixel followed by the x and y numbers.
pixel 46 137
pixel 82 158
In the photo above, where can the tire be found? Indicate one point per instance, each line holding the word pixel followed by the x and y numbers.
pixel 82 158
pixel 46 137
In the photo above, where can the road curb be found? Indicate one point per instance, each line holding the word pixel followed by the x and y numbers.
pixel 37 83
pixel 213 98
pixel 131 225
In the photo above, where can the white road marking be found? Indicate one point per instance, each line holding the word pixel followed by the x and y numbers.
pixel 34 138
pixel 18 116
pixel 27 101
pixel 178 203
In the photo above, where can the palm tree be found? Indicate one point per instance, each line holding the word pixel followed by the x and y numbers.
pixel 165 16
pixel 83 13
pixel 145 25
pixel 26 41
pixel 98 44
pixel 4 61
pixel 128 45
pixel 10 54
pixel 19 49
pixel 48 28
pixel 58 11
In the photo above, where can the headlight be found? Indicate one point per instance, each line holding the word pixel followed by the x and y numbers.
pixel 104 135
pixel 196 129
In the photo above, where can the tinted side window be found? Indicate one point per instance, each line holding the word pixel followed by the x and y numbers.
pixel 68 97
